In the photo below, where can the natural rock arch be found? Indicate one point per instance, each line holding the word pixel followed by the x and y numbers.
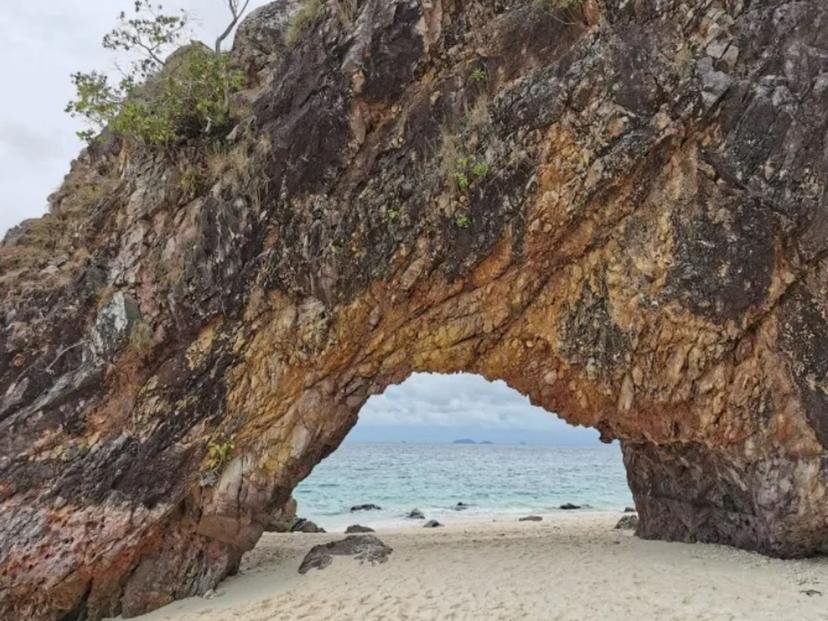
pixel 620 210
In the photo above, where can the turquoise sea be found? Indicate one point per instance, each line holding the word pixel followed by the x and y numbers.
pixel 496 480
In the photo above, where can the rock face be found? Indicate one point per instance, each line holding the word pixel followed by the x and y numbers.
pixel 283 519
pixel 619 209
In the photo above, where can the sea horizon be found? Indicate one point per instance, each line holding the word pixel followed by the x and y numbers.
pixel 489 480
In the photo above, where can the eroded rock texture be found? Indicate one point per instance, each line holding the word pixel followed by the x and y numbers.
pixel 620 210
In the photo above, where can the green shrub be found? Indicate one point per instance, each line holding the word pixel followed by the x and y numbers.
pixel 478 75
pixel 218 454
pixel 480 170
pixel 158 102
pixel 185 101
pixel 469 169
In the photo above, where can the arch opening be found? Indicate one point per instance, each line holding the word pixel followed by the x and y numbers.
pixel 458 447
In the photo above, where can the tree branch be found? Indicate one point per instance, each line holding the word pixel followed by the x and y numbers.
pixel 236 14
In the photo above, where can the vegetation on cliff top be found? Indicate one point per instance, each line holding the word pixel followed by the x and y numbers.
pixel 161 99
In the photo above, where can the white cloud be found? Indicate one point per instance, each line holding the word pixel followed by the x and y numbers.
pixel 44 42
pixel 461 400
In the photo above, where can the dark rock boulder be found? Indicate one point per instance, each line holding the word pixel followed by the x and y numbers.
pixel 628 522
pixel 416 514
pixel 432 524
pixel 531 518
pixel 368 507
pixel 364 548
pixel 461 506
pixel 301 525
pixel 356 528
pixel 568 506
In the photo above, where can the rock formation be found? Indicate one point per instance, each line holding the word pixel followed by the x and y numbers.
pixel 618 208
pixel 364 548
pixel 627 522
pixel 283 519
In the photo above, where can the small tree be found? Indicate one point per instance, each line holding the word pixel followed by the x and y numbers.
pixel 236 11
pixel 158 101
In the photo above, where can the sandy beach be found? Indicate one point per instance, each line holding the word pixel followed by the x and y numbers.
pixel 567 567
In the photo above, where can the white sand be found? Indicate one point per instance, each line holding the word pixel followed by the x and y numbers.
pixel 567 567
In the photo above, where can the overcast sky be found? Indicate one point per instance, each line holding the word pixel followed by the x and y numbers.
pixel 47 40
pixel 447 407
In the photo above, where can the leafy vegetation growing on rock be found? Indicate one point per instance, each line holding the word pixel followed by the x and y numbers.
pixel 159 101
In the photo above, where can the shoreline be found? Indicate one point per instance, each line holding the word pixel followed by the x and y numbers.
pixel 451 517
pixel 570 566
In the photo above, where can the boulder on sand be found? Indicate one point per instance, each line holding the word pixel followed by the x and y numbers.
pixel 364 548
pixel 531 518
pixel 356 528
pixel 301 525
pixel 416 514
pixel 432 524
pixel 568 506
pixel 628 522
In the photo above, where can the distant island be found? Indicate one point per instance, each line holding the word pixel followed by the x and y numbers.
pixel 470 441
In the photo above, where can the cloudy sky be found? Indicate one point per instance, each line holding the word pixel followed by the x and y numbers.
pixel 447 407
pixel 46 41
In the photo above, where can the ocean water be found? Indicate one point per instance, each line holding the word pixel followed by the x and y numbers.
pixel 496 480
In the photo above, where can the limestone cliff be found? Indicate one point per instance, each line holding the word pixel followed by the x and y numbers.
pixel 619 208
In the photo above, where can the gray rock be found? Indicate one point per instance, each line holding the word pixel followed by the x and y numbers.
pixel 628 522
pixel 568 506
pixel 261 35
pixel 113 325
pixel 531 518
pixel 356 528
pixel 367 507
pixel 364 548
pixel 306 526
pixel 283 519
pixel 432 524
pixel 416 514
